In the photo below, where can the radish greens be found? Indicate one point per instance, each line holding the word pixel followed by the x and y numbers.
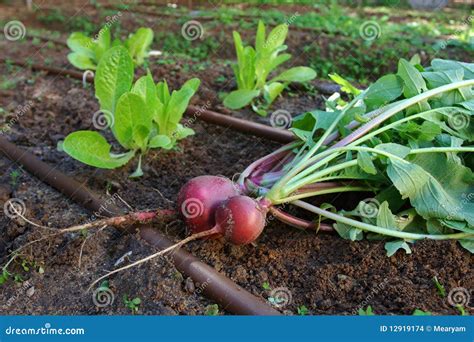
pixel 405 144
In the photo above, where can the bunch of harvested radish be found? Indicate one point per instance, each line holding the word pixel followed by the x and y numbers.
pixel 395 139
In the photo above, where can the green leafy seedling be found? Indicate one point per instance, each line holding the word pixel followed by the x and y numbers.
pixel 419 312
pixel 439 287
pixel 302 310
pixel 212 310
pixel 87 52
pixel 132 304
pixel 142 116
pixel 462 310
pixel 254 66
pixel 366 312
pixel 266 286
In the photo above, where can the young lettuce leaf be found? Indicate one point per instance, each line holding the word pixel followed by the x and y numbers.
pixel 254 66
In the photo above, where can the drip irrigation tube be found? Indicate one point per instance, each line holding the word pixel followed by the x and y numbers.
pixel 244 126
pixel 222 290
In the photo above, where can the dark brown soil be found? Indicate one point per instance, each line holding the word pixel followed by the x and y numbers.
pixel 326 274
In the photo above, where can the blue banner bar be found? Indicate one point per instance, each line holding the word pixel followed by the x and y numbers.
pixel 234 328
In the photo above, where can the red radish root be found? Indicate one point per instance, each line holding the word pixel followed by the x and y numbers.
pixel 199 198
pixel 241 219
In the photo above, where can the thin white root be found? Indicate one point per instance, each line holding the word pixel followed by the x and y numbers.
pixel 152 256
pixel 84 243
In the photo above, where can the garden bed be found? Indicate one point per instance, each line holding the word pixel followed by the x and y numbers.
pixel 322 272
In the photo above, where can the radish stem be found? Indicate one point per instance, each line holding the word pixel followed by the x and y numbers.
pixel 393 232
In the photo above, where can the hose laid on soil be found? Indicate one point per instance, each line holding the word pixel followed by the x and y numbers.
pixel 244 126
pixel 222 290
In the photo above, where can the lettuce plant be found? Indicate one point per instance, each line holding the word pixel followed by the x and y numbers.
pixel 254 66
pixel 142 115
pixel 87 52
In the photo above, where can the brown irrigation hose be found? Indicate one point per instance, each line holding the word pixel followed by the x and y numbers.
pixel 250 127
pixel 217 287
pixel 244 126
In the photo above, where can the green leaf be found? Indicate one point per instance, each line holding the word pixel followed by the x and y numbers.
pixel 80 43
pixel 468 244
pixel 385 218
pixel 346 86
pixel 138 44
pixel 395 149
pixel 259 37
pixel 163 92
pixel 159 141
pixel 419 312
pixel 102 43
pixel 383 91
pixel 433 192
pixel 113 78
pixel 179 101
pixel 132 123
pixel 91 148
pixel 193 83
pixel 182 132
pixel 81 61
pixel 413 84
pixel 445 64
pixel 367 312
pixel 145 87
pixel 364 160
pixel 276 37
pixel 271 91
pixel 240 98
pixel 393 246
pixel 347 232
pixel 296 74
pixel 439 78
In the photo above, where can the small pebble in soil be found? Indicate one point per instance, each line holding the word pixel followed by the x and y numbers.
pixel 31 291
pixel 189 285
pixel 5 193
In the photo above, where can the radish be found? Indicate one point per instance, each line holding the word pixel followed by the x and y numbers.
pixel 241 219
pixel 199 198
